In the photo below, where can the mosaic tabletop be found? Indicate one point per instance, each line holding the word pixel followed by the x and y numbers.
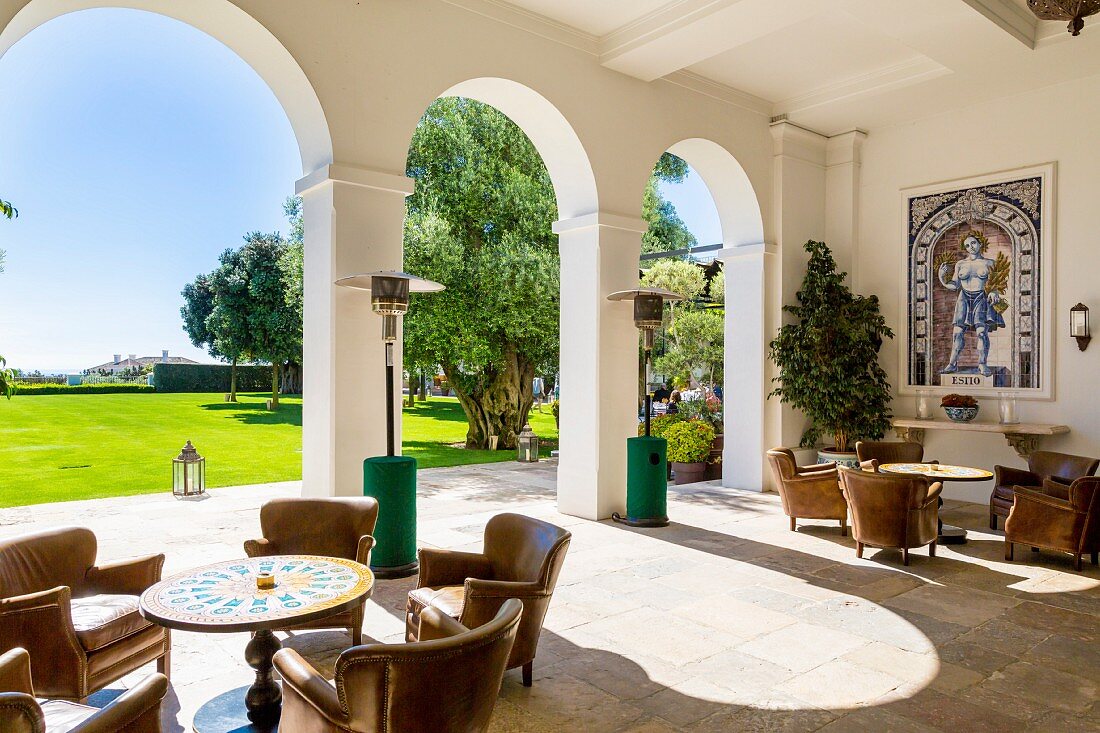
pixel 940 471
pixel 224 597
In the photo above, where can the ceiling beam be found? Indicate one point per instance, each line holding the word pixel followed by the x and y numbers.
pixel 685 32
pixel 1009 17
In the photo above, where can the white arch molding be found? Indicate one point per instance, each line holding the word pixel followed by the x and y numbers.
pixel 240 32
pixel 745 266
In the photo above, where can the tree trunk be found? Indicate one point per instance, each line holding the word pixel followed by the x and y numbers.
pixel 497 401
pixel 233 382
pixel 274 385
pixel 423 379
pixel 290 378
pixel 413 384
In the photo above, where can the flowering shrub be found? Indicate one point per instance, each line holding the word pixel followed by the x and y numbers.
pixel 689 441
pixel 708 410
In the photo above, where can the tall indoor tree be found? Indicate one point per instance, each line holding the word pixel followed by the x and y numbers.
pixel 480 223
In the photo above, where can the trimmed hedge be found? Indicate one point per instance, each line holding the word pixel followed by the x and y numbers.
pixel 36 389
pixel 210 378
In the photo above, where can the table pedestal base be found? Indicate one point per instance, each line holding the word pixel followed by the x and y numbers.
pixel 951 535
pixel 226 713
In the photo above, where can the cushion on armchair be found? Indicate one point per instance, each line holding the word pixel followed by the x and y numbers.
pixel 104 619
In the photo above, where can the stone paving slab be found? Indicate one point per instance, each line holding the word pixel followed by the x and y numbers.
pixel 723 621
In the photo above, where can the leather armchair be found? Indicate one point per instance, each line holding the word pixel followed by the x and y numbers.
pixel 136 711
pixel 892 510
pixel 1043 469
pixel 341 527
pixel 78 620
pixel 522 559
pixel 874 453
pixel 447 683
pixel 808 492
pixel 1070 525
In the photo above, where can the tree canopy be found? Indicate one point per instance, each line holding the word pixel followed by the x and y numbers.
pixel 480 223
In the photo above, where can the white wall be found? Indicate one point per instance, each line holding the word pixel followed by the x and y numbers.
pixel 1057 123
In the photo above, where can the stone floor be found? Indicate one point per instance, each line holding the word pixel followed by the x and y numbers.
pixel 723 621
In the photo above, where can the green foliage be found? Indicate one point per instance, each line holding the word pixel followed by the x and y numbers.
pixel 828 360
pixel 659 424
pixel 209 378
pixel 680 276
pixel 7 379
pixel 708 410
pixel 7 210
pixel 689 441
pixel 695 342
pixel 667 230
pixel 46 389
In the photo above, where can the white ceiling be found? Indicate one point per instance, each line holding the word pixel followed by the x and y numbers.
pixel 830 65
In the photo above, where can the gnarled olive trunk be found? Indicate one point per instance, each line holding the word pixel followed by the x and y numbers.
pixel 291 378
pixel 496 401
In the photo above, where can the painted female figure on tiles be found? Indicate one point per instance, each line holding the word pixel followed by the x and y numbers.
pixel 978 268
pixel 981 283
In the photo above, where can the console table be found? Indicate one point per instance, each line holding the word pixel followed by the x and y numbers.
pixel 1023 437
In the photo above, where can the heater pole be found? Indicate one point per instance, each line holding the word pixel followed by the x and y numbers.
pixel 648 394
pixel 390 447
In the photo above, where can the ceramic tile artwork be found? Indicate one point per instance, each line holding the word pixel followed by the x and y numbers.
pixel 723 621
pixel 978 262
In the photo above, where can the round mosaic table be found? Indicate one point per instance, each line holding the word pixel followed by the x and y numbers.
pixel 224 598
pixel 948 535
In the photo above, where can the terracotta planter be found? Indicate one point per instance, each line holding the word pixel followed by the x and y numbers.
pixel 689 473
pixel 714 461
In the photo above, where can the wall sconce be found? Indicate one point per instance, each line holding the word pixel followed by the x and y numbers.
pixel 1079 325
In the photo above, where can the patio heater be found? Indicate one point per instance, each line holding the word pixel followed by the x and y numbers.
pixel 391 479
pixel 646 461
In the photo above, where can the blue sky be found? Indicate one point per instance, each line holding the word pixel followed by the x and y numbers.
pixel 136 149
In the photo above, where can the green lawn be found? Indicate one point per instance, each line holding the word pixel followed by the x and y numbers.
pixel 66 447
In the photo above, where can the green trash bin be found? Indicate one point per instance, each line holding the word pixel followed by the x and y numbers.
pixel 392 481
pixel 646 483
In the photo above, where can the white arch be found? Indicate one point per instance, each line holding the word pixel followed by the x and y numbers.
pixel 235 28
pixel 729 186
pixel 553 137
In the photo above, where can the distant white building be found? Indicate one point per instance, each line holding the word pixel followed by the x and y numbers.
pixel 134 362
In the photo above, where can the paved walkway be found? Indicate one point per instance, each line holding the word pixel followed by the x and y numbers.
pixel 723 621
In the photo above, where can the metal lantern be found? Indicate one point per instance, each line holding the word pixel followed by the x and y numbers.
pixel 649 309
pixel 389 291
pixel 528 450
pixel 1079 325
pixel 1075 11
pixel 188 472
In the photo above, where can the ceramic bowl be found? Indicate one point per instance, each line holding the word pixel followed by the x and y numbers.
pixel 961 414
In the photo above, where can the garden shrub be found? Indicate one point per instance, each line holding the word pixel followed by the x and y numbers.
pixel 689 441
pixel 659 424
pixel 41 389
pixel 210 378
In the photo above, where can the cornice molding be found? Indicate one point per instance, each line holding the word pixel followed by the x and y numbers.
pixel 600 219
pixel 355 176
pixel 721 92
pixel 1011 18
pixel 873 82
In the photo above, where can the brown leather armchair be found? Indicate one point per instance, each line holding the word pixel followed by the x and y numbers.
pixel 79 621
pixel 446 683
pixel 340 527
pixel 522 559
pixel 1043 468
pixel 808 492
pixel 874 453
pixel 892 510
pixel 1070 525
pixel 136 711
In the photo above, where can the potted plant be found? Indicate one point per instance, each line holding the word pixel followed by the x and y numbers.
pixel 709 410
pixel 828 361
pixel 688 448
pixel 959 407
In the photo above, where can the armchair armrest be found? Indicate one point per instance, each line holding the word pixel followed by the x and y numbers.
pixel 869 465
pixel 259 548
pixel 485 597
pixel 52 608
pixel 309 685
pixel 142 701
pixel 1026 496
pixel 434 624
pixel 933 494
pixel 43 622
pixel 362 552
pixel 817 467
pixel 19 713
pixel 447 567
pixel 1006 476
pixel 130 577
pixel 15 672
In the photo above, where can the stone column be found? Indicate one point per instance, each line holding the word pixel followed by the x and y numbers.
pixel 354 219
pixel 843 159
pixel 750 420
pixel 599 361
